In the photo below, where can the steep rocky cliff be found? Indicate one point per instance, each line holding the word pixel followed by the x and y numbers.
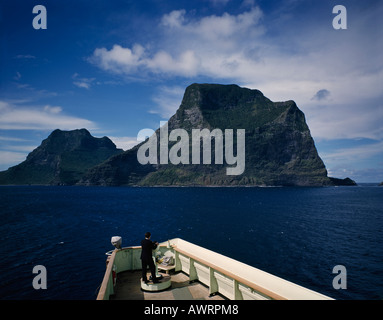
pixel 279 149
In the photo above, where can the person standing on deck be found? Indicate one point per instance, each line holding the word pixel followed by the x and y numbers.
pixel 146 257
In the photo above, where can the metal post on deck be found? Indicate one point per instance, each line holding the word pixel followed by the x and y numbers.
pixel 213 285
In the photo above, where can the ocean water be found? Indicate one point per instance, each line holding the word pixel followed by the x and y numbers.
pixel 299 234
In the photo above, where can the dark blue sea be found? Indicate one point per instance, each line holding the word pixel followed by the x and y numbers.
pixel 299 234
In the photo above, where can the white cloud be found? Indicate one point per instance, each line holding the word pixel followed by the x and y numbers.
pixel 356 162
pixel 10 158
pixel 126 61
pixel 15 117
pixel 346 121
pixel 216 46
pixel 81 84
pixel 190 47
pixel 168 100
pixel 355 153
pixel 20 148
pixel 214 28
pixel 124 143
pixel 118 59
pixel 84 83
pixel 53 110
pixel 6 138
pixel 174 19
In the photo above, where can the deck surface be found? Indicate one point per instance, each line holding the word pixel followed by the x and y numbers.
pixel 128 287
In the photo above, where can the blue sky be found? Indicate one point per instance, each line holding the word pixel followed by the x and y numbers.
pixel 116 67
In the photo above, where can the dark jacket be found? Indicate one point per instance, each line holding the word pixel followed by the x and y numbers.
pixel 147 247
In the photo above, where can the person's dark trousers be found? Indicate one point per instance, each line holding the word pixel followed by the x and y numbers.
pixel 152 269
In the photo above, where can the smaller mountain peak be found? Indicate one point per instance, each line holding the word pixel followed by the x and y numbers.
pixel 82 131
